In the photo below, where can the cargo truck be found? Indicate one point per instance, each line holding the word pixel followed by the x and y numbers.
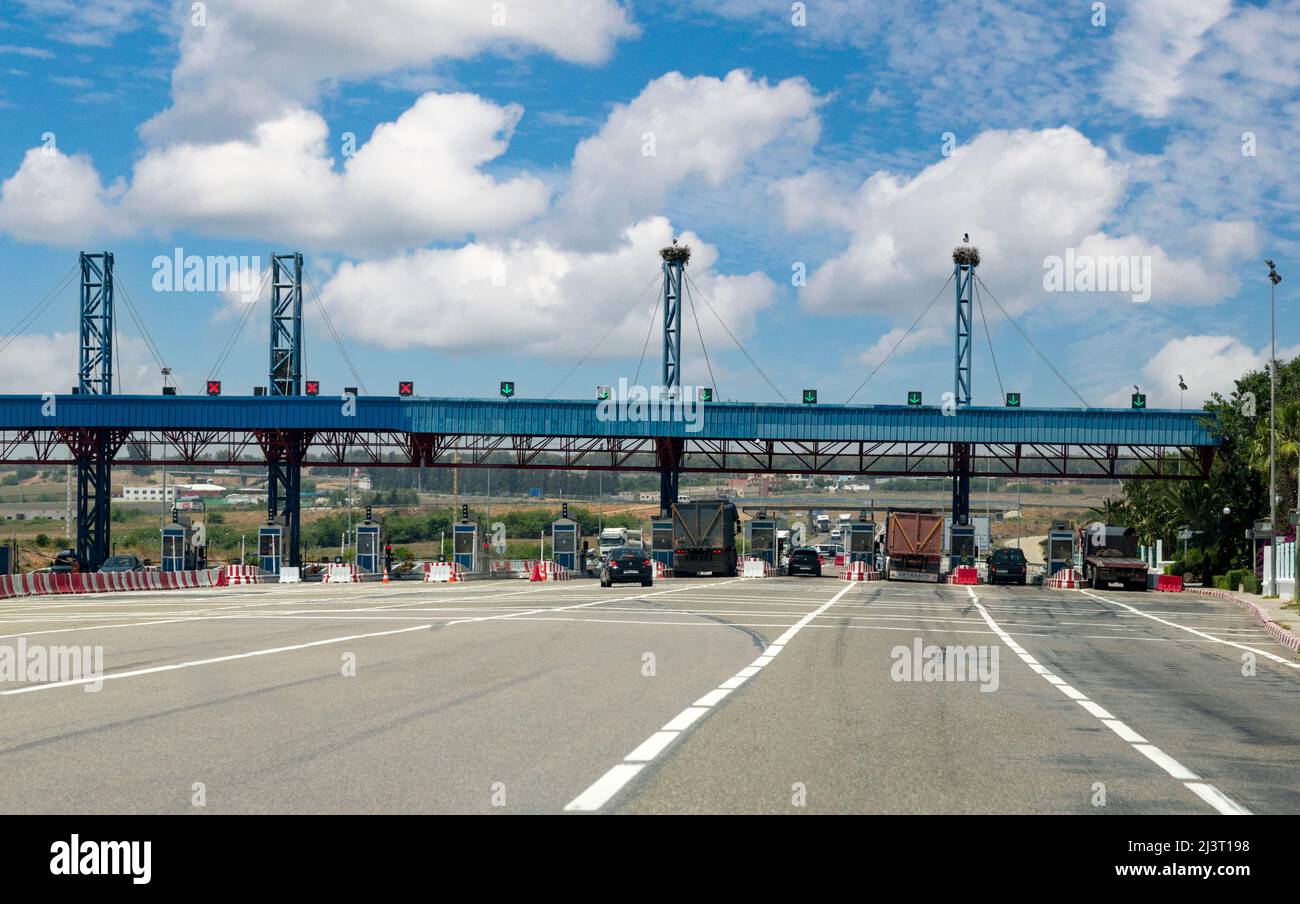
pixel 704 538
pixel 913 546
pixel 1110 556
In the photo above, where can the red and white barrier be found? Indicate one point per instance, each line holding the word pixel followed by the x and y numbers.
pixel 342 574
pixel 859 571
pixel 47 584
pixel 1064 579
pixel 443 573
pixel 1275 631
pixel 662 571
pixel 234 575
pixel 550 571
pixel 965 575
pixel 754 567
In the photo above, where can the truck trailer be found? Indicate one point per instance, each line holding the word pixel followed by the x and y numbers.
pixel 913 546
pixel 704 538
pixel 1110 556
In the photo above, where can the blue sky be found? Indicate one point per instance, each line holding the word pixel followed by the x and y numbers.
pixel 515 165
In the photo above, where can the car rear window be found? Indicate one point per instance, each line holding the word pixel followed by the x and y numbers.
pixel 803 554
pixel 1009 556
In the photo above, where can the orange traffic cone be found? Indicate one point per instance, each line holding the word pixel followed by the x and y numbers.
pixel 385 580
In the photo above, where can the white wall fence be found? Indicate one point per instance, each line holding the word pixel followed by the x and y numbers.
pixel 1285 569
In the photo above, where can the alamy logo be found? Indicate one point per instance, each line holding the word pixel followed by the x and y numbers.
pixel 641 404
pixel 102 858
pixel 951 663
pixel 1098 273
pixel 37 664
pixel 210 273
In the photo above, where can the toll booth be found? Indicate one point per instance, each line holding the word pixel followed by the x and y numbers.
pixel 173 547
pixel 368 547
pixel 564 543
pixel 1060 547
pixel 8 559
pixel 962 551
pixel 661 540
pixel 464 545
pixel 762 540
pixel 861 545
pixel 270 547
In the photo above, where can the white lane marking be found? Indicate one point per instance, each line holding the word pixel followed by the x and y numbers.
pixel 1167 763
pixel 613 781
pixel 1240 646
pixel 134 673
pixel 605 787
pixel 1098 711
pixel 1206 792
pixel 1217 799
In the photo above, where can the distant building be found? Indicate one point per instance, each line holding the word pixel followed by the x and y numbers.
pixel 149 494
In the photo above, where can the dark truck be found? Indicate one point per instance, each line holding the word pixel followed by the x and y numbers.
pixel 913 546
pixel 704 538
pixel 1110 556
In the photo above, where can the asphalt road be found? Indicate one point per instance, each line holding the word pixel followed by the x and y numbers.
pixel 779 695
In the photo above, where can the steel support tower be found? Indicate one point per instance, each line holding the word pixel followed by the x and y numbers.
pixel 669 451
pixel 94 448
pixel 965 260
pixel 285 449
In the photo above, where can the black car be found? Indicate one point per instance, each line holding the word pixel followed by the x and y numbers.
pixel 1007 566
pixel 121 564
pixel 804 561
pixel 627 563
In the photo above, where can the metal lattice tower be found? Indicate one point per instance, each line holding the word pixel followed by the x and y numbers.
pixel 285 449
pixel 669 451
pixel 286 325
pixel 966 260
pixel 94 448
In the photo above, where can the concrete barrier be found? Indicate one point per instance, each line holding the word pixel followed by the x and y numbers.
pixel 16 585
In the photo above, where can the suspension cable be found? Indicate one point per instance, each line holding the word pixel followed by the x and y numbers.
pixel 654 315
pixel 658 275
pixel 1025 336
pixel 229 347
pixel 338 341
pixel 140 327
pixel 752 362
pixel 36 310
pixel 989 336
pixel 901 340
pixel 690 297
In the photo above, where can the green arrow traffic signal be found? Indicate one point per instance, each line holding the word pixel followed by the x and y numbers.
pixel 706 393
pixel 1013 400
pixel 1139 400
pixel 507 389
pixel 914 398
pixel 602 393
pixel 810 397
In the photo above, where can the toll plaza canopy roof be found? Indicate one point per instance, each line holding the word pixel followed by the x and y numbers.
pixel 586 418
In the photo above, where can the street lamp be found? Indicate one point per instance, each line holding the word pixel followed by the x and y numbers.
pixel 1273 279
pixel 1182 388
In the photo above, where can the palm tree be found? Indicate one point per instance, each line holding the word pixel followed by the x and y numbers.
pixel 1111 511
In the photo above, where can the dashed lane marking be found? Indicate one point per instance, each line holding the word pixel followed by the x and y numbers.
pixel 1191 781
pixel 613 781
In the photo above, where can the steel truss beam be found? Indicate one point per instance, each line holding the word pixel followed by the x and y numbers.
pixel 701 456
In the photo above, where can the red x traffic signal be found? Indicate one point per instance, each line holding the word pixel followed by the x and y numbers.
pixel 406 388
pixel 214 387
pixel 313 387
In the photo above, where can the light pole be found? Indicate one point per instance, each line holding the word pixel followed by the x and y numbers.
pixel 1182 388
pixel 1273 279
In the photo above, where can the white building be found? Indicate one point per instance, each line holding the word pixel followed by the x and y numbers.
pixel 148 494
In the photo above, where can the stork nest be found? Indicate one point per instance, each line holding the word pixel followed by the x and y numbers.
pixel 966 255
pixel 674 253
